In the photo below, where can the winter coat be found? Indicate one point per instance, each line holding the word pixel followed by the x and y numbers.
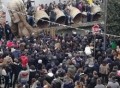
pixel 16 53
pixel 56 83
pixel 67 82
pixel 34 84
pixel 81 85
pixel 16 68
pixel 1 32
pixel 32 75
pixel 72 69
pixel 88 50
pixel 24 75
pixel 99 86
pixel 104 69
pixel 113 84
pixel 90 62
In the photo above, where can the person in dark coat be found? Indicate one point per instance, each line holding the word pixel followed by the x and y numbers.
pixel 16 67
pixel 16 52
pixel 38 85
pixel 1 32
pixel 29 4
pixel 8 33
pixel 6 74
pixel 32 74
pixel 56 83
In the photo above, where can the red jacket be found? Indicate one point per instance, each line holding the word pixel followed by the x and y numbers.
pixel 24 61
pixel 10 44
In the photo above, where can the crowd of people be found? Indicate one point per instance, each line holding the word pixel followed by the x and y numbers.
pixel 69 61
pixel 82 5
pixel 63 61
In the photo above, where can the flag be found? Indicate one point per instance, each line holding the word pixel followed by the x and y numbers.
pixel 90 2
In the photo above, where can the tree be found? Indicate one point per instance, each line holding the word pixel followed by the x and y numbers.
pixel 113 20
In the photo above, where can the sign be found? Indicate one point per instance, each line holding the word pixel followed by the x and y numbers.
pixel 96 28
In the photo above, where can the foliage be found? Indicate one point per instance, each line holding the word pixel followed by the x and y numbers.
pixel 113 20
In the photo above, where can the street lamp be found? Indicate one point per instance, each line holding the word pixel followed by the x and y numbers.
pixel 105 22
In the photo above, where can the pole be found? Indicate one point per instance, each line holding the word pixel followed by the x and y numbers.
pixel 105 22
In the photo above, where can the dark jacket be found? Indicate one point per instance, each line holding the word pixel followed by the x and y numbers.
pixel 1 33
pixel 8 32
pixel 16 68
pixel 32 75
pixel 16 54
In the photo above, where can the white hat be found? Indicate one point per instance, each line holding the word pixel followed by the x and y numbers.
pixel 90 65
pixel 50 74
pixel 69 54
pixel 87 50
pixel 40 61
pixel 61 64
pixel 12 49
pixel 74 32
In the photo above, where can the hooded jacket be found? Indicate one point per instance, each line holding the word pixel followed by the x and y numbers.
pixel 113 84
pixel 99 86
pixel 24 75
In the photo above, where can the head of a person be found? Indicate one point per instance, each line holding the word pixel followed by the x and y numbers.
pixel 54 2
pixel 114 78
pixel 115 68
pixel 32 67
pixel 77 83
pixel 109 87
pixel 24 68
pixel 33 80
pixel 111 74
pixel 98 81
pixel 16 60
pixel 104 62
pixel 19 86
pixel 38 84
